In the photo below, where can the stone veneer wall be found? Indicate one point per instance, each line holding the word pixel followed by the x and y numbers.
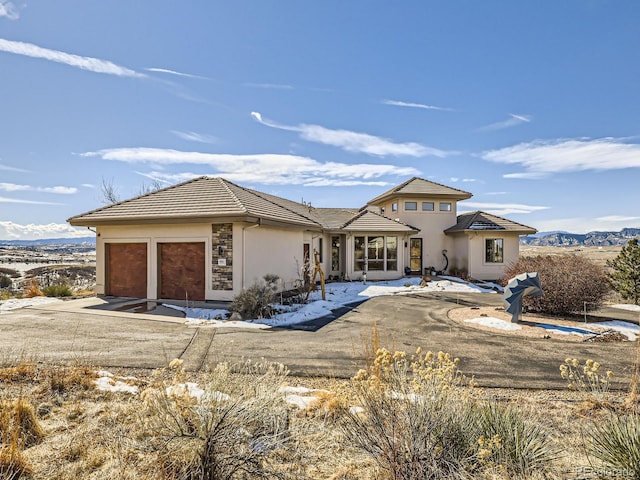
pixel 222 275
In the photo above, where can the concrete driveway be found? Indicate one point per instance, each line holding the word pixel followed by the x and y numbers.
pixel 76 330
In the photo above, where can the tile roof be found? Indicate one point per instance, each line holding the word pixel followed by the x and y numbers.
pixel 207 198
pixel 368 221
pixel 200 199
pixel 482 221
pixel 419 187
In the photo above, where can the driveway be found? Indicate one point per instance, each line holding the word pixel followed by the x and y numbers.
pixel 71 331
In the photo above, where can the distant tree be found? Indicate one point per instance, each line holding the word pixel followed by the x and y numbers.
pixel 154 186
pixel 568 281
pixel 624 275
pixel 109 192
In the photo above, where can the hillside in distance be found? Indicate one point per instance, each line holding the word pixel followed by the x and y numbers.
pixel 49 241
pixel 591 239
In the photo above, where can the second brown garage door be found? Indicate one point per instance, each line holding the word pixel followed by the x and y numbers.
pixel 182 270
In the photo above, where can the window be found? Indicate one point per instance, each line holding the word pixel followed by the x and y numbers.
pixel 358 253
pixel 427 206
pixel 411 205
pixel 375 253
pixel 335 253
pixel 494 250
pixel 392 253
pixel 445 206
pixel 394 207
pixel 381 253
pixel 320 250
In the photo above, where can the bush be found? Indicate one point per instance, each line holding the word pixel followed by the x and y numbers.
pixel 5 281
pixel 507 438
pixel 57 291
pixel 256 301
pixel 568 281
pixel 32 288
pixel 417 422
pixel 238 427
pixel 616 444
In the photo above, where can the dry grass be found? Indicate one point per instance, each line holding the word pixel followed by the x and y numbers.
pixel 68 429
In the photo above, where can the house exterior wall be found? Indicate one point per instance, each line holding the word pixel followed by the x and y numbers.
pixel 431 225
pixel 269 250
pixel 478 267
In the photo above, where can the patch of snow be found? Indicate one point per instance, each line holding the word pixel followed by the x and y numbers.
pixel 631 330
pixel 300 401
pixel 627 306
pixel 16 303
pixel 338 294
pixel 108 384
pixel 181 389
pixel 493 322
pixel 356 410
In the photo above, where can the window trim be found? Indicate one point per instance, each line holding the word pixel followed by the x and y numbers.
pixel 384 260
pixel 442 204
pixel 406 206
pixel 432 209
pixel 490 254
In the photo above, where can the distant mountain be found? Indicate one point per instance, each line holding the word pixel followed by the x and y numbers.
pixel 591 239
pixel 49 241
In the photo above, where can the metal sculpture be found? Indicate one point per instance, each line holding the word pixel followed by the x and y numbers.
pixel 523 285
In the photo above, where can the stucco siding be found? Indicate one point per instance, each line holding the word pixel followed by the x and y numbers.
pixel 482 270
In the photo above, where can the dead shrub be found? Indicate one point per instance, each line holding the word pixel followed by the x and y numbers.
pixel 18 417
pixel 237 426
pixel 257 300
pixel 568 281
pixel 63 380
pixel 32 289
pixel 23 372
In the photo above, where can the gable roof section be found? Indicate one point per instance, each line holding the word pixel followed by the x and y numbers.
pixel 419 187
pixel 368 221
pixel 200 199
pixel 483 221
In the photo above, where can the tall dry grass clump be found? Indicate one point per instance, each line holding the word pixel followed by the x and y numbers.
pixel 416 418
pixel 236 426
pixel 19 429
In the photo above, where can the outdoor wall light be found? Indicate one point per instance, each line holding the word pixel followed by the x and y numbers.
pixel 220 251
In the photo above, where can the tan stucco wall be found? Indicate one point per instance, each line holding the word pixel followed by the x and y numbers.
pixel 481 270
pixel 431 225
pixel 269 250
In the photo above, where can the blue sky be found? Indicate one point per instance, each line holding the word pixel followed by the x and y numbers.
pixel 531 106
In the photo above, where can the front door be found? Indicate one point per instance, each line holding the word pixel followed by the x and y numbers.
pixel 415 254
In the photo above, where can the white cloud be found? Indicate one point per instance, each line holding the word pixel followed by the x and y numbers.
pixel 397 103
pixel 258 168
pixel 12 169
pixel 13 187
pixel 15 231
pixel 463 180
pixel 173 72
pixel 8 10
pixel 542 157
pixel 28 202
pixel 274 86
pixel 512 121
pixel 195 137
pixel 500 209
pixel 355 141
pixel 85 63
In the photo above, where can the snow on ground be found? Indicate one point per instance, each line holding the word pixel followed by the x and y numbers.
pixel 631 330
pixel 15 303
pixel 107 382
pixel 493 322
pixel 633 308
pixel 339 294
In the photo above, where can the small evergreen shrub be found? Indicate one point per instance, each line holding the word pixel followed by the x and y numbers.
pixel 57 291
pixel 624 274
pixel 568 281
pixel 5 281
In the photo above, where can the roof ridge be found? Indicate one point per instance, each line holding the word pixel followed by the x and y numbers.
pixel 224 182
pixel 364 212
pixel 262 195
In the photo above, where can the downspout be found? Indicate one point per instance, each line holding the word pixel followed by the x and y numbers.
pixel 244 249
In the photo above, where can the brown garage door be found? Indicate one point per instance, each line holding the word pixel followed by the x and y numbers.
pixel 182 270
pixel 126 269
